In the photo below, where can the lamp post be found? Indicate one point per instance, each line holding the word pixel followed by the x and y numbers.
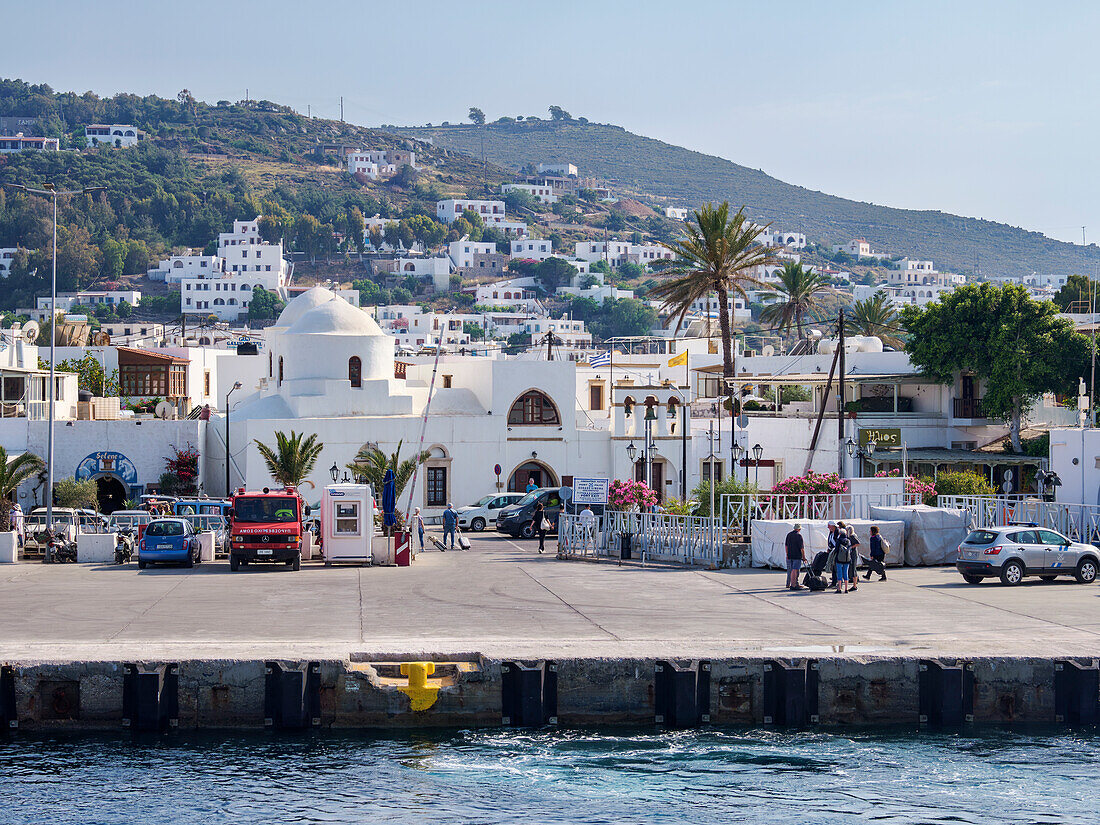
pixel 757 452
pixel 855 450
pixel 737 451
pixel 49 190
pixel 650 417
pixel 334 472
pixel 236 386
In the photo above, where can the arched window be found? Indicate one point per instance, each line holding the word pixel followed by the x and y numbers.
pixel 178 265
pixel 672 408
pixel 245 288
pixel 355 371
pixel 232 302
pixel 533 407
pixel 280 369
pixel 219 302
pixel 628 406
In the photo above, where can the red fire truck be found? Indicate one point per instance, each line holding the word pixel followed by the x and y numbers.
pixel 266 526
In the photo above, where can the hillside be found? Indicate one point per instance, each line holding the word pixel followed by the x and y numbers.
pixel 202 166
pixel 639 164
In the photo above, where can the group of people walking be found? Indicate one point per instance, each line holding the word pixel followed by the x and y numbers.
pixel 840 558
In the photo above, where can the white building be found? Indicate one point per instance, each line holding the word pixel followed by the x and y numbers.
pixel 535 249
pixel 437 270
pixel 676 213
pixel 541 192
pixel 563 169
pixel 92 298
pixel 174 269
pixel 7 254
pixel 246 262
pixel 119 135
pixel 452 209
pixel 614 252
pixel 516 293
pixel 857 248
pixel 464 253
pixel 414 330
pixel 375 163
pixel 21 143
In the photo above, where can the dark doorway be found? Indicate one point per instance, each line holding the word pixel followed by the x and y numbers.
pixel 658 477
pixel 530 472
pixel 111 494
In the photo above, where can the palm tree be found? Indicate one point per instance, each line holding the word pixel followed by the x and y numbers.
pixel 803 290
pixel 371 463
pixel 14 472
pixel 716 256
pixel 293 457
pixel 876 316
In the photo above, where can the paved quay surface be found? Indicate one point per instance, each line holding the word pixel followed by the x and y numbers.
pixel 502 599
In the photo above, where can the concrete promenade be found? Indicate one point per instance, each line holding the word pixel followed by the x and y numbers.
pixel 503 600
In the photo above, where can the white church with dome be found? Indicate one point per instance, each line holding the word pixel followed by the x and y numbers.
pixel 330 370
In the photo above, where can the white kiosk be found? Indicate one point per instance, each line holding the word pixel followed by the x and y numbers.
pixel 347 523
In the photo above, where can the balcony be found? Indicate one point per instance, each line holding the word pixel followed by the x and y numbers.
pixel 968 408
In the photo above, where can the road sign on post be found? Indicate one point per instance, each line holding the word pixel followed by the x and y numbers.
pixel 590 490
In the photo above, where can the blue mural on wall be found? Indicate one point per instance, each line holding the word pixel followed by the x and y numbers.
pixel 108 463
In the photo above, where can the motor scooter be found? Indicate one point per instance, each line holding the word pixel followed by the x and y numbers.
pixel 124 546
pixel 59 548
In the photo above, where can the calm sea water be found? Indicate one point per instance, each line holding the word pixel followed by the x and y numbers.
pixel 995 776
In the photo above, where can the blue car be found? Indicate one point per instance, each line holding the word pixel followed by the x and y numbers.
pixel 168 540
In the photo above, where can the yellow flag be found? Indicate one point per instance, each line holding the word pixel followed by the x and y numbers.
pixel 679 360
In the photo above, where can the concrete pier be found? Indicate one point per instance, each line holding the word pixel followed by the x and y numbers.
pixel 505 629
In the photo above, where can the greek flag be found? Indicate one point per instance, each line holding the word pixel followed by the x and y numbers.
pixel 600 360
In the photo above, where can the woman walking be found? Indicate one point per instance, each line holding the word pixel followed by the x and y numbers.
pixel 538 524
pixel 418 522
pixel 877 562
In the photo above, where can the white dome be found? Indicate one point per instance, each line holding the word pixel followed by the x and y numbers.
pixel 310 299
pixel 334 317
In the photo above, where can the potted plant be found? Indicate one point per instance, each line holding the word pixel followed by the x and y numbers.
pixel 629 497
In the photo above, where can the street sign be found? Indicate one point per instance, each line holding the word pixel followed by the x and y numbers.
pixel 590 490
pixel 884 437
pixel 496 469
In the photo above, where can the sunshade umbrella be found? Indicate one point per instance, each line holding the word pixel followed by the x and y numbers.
pixel 389 499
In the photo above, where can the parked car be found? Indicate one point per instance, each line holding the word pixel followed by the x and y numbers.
pixel 484 511
pixel 1018 550
pixel 515 519
pixel 64 518
pixel 168 540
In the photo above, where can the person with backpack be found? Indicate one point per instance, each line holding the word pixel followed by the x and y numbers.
pixel 853 560
pixel 796 556
pixel 843 556
pixel 877 562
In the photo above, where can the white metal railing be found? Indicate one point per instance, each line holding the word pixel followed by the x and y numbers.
pixel 653 537
pixel 1080 522
pixel 739 510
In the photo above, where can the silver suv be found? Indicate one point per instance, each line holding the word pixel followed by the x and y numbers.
pixel 1020 550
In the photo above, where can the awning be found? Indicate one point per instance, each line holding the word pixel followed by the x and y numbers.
pixel 939 455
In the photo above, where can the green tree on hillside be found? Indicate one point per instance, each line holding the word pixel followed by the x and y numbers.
pixel 1077 294
pixel 558 113
pixel 1018 346
pixel 264 305
pixel 476 116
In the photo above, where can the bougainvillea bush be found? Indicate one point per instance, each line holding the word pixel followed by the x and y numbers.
pixel 924 488
pixel 181 476
pixel 630 495
pixel 812 484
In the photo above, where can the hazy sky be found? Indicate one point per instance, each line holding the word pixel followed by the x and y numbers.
pixel 987 109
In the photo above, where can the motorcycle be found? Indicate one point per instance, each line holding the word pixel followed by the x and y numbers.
pixel 124 546
pixel 59 548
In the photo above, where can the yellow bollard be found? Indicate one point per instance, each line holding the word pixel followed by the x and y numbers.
pixel 421 695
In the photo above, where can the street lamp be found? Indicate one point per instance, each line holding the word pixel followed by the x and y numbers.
pixel 49 190
pixel 236 386
pixel 757 452
pixel 737 450
pixel 334 472
pixel 631 451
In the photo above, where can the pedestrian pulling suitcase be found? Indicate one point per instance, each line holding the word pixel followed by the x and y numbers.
pixel 463 542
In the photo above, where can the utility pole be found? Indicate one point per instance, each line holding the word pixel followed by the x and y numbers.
pixel 840 399
pixel 341 108
pixel 550 346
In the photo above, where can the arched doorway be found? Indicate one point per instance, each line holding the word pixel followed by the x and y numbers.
pixel 111 494
pixel 531 471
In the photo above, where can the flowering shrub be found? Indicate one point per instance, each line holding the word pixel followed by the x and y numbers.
pixel 923 487
pixel 181 474
pixel 812 483
pixel 630 495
